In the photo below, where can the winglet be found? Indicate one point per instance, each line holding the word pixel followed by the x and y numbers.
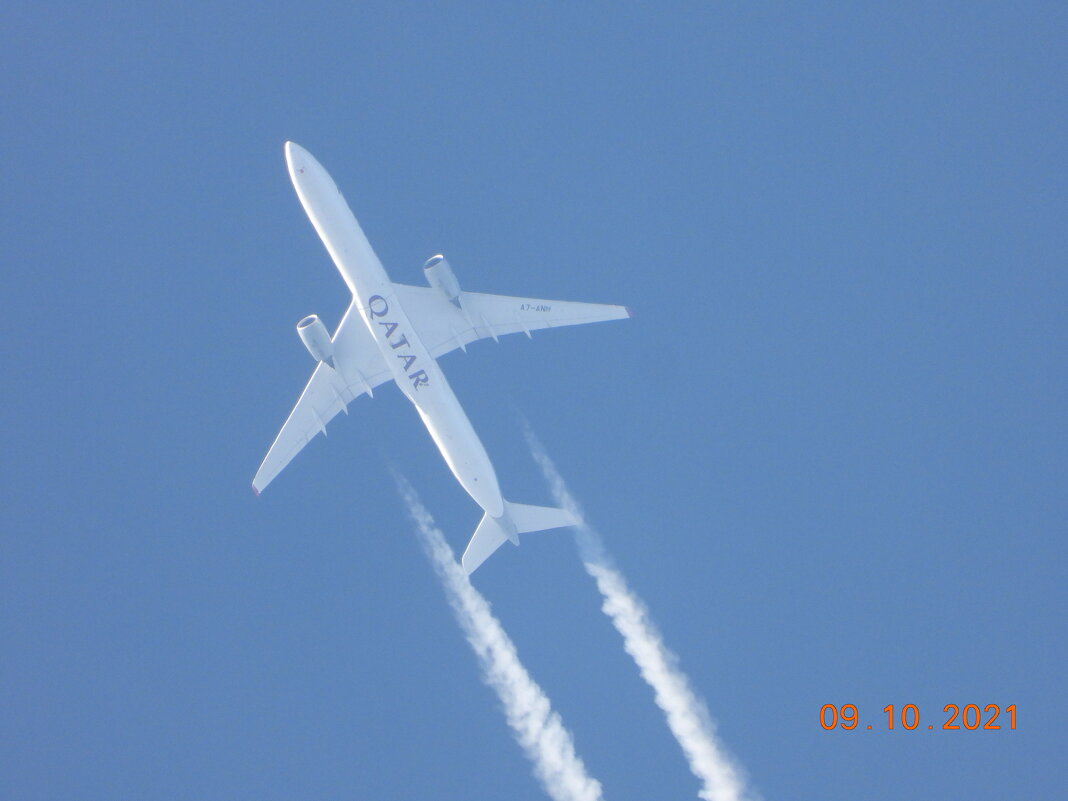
pixel 255 491
pixel 630 311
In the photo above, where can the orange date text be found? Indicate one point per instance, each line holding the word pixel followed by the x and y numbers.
pixel 970 717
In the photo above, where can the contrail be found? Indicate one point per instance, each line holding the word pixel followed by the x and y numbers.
pixel 687 716
pixel 537 727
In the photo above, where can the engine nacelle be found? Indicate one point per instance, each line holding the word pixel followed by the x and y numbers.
pixel 316 339
pixel 440 276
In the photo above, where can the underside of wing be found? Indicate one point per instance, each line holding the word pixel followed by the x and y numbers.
pixel 358 368
pixel 445 325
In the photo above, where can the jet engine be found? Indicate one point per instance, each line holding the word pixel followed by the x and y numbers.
pixel 315 338
pixel 440 276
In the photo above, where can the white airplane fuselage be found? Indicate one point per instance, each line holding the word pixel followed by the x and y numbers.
pixel 414 370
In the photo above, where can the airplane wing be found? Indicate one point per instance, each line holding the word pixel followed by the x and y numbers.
pixel 443 326
pixel 359 368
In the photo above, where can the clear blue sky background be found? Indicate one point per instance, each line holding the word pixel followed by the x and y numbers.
pixel 830 451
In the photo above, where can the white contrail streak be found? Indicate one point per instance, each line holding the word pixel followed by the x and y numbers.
pixel 686 714
pixel 537 727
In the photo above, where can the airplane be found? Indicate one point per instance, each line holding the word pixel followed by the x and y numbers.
pixel 398 332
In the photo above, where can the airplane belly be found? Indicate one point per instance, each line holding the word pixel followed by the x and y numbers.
pixel 422 381
pixel 460 446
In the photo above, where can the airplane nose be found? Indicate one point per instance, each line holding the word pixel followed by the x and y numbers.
pixel 294 153
pixel 304 170
pixel 299 160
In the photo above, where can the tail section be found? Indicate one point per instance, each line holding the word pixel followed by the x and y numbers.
pixel 518 518
pixel 537 518
pixel 489 536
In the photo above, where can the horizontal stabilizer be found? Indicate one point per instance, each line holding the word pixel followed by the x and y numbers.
pixel 488 537
pixel 538 518
pixel 518 518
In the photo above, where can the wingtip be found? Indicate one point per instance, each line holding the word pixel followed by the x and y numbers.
pixel 255 491
pixel 630 311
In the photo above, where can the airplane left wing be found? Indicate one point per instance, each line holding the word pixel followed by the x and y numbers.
pixel 358 368
pixel 444 326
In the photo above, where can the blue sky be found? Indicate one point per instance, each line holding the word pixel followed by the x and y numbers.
pixel 829 452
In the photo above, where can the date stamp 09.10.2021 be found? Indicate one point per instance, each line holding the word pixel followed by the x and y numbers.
pixel 970 717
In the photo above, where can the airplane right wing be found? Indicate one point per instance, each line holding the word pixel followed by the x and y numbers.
pixel 359 368
pixel 443 326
